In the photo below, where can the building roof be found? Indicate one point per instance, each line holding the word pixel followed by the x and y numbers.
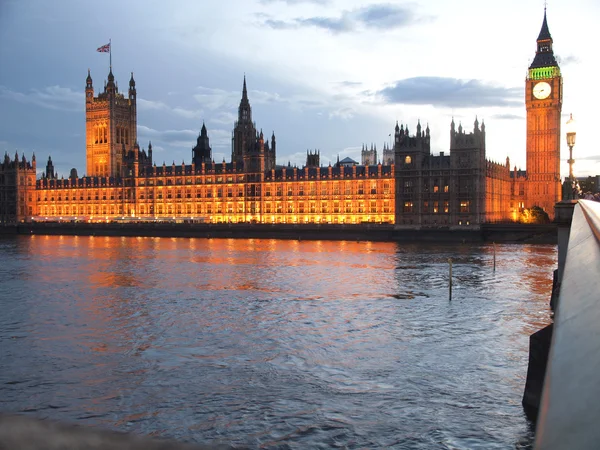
pixel 544 32
pixel 544 57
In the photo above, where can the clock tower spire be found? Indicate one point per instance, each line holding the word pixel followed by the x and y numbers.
pixel 543 100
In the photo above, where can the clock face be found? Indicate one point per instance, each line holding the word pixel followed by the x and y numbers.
pixel 542 90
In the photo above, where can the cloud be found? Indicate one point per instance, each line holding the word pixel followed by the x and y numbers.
pixel 219 138
pixel 223 118
pixel 296 2
pixel 387 16
pixel 507 117
pixel 347 83
pixel 167 136
pixel 51 97
pixel 150 105
pixel 335 25
pixel 345 113
pixel 382 16
pixel 450 92
pixel 263 97
pixel 212 99
pixel 567 60
pixel 589 158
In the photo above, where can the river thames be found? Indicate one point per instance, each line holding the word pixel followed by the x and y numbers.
pixel 272 343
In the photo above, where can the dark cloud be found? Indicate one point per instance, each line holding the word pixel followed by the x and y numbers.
pixel 386 16
pixel 381 16
pixel 279 24
pixel 567 60
pixel 451 92
pixel 335 25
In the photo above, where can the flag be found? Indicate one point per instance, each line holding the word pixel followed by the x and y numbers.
pixel 104 48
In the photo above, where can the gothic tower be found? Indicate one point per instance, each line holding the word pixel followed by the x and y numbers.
pixel 543 100
pixel 111 127
pixel 202 153
pixel 244 132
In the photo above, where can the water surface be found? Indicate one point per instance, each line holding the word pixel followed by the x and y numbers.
pixel 273 344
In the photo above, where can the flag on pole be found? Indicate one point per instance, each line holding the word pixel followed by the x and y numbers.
pixel 104 48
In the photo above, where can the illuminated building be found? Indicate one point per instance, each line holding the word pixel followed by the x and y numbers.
pixel 543 100
pixel 412 188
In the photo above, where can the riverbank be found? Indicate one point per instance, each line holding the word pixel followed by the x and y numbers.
pixel 507 233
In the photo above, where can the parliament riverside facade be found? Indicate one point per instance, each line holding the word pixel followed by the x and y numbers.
pixel 414 189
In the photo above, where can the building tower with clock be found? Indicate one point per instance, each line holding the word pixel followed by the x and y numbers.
pixel 543 101
pixel 110 126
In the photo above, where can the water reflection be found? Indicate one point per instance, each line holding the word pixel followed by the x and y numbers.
pixel 273 343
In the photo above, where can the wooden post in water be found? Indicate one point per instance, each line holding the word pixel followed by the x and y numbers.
pixel 450 279
pixel 494 255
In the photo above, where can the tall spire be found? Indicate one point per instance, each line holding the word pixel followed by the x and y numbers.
pixel 244 110
pixel 544 56
pixel 544 32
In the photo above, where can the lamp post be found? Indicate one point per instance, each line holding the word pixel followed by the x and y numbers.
pixel 571 144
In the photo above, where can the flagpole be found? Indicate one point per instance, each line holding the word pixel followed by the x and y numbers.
pixel 110 54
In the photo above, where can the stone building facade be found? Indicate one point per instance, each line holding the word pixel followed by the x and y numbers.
pixel 412 188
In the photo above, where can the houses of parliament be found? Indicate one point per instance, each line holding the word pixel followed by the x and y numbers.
pixel 412 188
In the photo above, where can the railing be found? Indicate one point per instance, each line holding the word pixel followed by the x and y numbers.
pixel 570 407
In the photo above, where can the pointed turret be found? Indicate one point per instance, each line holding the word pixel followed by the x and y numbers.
pixel 50 168
pixel 544 32
pixel 544 56
pixel 244 110
pixel 110 85
pixel 273 147
pixel 202 152
pixel 89 89
pixel 132 88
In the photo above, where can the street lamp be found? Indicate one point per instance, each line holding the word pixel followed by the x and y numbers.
pixel 571 144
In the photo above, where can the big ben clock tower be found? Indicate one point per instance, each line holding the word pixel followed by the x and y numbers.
pixel 543 100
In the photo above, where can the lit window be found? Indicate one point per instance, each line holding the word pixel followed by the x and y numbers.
pixel 407 160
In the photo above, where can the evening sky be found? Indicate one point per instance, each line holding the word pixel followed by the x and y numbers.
pixel 323 74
